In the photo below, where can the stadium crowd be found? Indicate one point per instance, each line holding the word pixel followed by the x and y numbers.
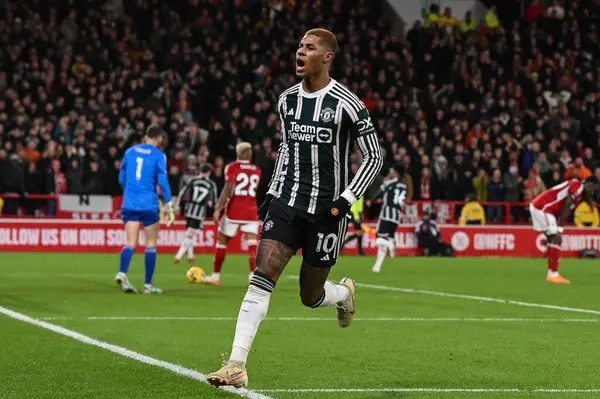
pixel 501 109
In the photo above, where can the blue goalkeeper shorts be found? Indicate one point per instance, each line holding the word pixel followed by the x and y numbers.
pixel 147 218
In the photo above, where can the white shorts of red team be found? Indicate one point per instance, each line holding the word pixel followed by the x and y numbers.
pixel 544 222
pixel 230 227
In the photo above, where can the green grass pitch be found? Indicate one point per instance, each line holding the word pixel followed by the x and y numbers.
pixel 407 342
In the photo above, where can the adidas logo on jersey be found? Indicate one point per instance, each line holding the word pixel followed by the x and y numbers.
pixel 291 112
pixel 325 258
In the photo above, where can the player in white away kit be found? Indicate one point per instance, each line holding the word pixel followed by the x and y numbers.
pixel 309 197
pixel 201 193
pixel 393 192
pixel 558 202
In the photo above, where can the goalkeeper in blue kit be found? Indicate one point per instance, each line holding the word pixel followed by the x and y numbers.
pixel 144 167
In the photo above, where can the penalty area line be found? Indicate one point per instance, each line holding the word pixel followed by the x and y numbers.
pixel 174 368
pixel 429 390
pixel 358 319
pixel 473 298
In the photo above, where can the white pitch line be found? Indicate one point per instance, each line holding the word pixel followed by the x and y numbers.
pixel 473 298
pixel 429 390
pixel 382 319
pixel 174 368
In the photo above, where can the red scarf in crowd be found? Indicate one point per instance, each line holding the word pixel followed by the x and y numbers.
pixel 425 193
pixel 61 183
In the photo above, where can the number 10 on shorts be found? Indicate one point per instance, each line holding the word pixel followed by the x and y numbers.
pixel 326 243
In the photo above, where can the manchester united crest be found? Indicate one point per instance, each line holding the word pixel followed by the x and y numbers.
pixel 327 115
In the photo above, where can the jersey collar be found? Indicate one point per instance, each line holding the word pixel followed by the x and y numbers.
pixel 316 94
pixel 243 160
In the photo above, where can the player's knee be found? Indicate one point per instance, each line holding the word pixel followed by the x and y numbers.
pixel 222 239
pixel 555 239
pixel 558 239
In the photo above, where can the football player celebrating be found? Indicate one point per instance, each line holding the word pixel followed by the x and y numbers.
pixel 557 203
pixel 309 196
pixel 143 167
pixel 237 206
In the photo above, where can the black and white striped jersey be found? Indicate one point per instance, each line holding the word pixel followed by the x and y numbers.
pixel 393 193
pixel 201 193
pixel 318 134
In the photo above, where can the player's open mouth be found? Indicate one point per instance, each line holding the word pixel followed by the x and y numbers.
pixel 300 65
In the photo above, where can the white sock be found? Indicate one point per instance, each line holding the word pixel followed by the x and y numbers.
pixel 190 249
pixel 252 312
pixel 332 294
pixel 380 258
pixel 187 242
pixel 216 276
pixel 551 273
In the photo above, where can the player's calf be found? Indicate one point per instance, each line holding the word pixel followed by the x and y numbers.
pixel 271 259
pixel 316 291
pixel 384 246
pixel 554 250
pixel 187 247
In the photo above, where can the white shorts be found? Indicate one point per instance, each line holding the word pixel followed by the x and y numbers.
pixel 230 227
pixel 543 221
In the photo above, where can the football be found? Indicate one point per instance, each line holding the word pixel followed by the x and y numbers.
pixel 195 275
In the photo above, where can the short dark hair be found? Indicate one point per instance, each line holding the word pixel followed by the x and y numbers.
pixel 205 168
pixel 327 37
pixel 400 169
pixel 154 132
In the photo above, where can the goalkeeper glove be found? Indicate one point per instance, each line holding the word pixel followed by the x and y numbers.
pixel 170 214
pixel 336 211
pixel 264 208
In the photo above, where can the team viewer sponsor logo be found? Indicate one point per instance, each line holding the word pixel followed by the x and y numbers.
pixel 310 134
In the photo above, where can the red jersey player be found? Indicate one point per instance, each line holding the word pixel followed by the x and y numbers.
pixel 237 206
pixel 558 202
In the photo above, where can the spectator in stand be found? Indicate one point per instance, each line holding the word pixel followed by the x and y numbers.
pixel 447 20
pixel 468 24
pixel 12 178
pixel 495 194
pixel 555 11
pixel 75 176
pixel 577 170
pixel 512 191
pixel 480 184
pixel 491 19
pixel 534 11
pixel 34 184
pixel 533 186
pixel 60 185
